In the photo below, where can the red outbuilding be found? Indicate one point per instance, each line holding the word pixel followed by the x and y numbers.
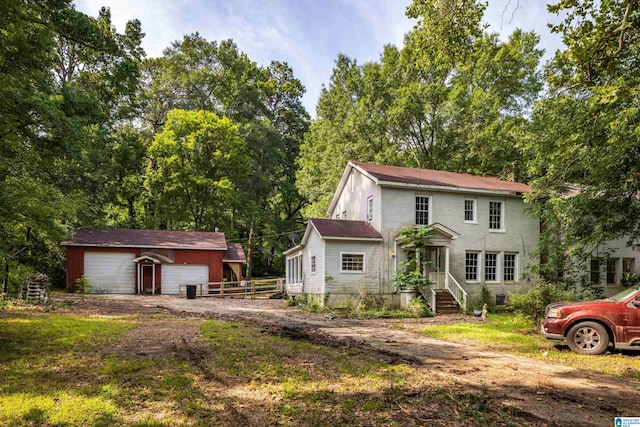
pixel 150 261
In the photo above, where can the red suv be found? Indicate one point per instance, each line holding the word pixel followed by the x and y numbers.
pixel 590 326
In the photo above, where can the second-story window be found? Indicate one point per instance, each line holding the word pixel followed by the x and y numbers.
pixel 495 216
pixel 344 214
pixel 370 209
pixel 470 211
pixel 422 210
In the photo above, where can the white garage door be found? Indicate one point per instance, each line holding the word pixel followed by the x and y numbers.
pixel 174 275
pixel 113 272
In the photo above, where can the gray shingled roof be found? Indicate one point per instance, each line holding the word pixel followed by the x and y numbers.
pixel 113 237
pixel 338 228
pixel 404 175
pixel 234 253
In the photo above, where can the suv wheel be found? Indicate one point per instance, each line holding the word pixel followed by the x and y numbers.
pixel 588 338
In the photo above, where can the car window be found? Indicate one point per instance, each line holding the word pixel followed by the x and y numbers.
pixel 623 295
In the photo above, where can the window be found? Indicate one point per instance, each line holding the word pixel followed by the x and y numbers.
pixel 313 264
pixel 611 271
pixel 627 266
pixel 352 263
pixel 595 270
pixel 344 214
pixel 509 267
pixel 491 267
pixel 370 209
pixel 294 270
pixel 495 216
pixel 470 211
pixel 471 266
pixel 338 215
pixel 422 210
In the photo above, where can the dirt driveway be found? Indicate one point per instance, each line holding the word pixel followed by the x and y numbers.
pixel 550 394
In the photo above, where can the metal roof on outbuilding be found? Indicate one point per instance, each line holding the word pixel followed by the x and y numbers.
pixel 157 239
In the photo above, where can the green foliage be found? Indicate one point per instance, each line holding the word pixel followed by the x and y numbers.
pixel 420 307
pixel 584 137
pixel 453 98
pixel 409 274
pixel 631 280
pixel 197 167
pixel 531 303
pixel 485 297
pixel 84 285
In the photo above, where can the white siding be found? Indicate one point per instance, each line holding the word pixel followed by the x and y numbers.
pixel 353 199
pixel 174 275
pixel 521 235
pixel 314 282
pixel 112 272
pixel 349 282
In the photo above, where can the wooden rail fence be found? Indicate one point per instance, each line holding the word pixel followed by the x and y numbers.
pixel 242 289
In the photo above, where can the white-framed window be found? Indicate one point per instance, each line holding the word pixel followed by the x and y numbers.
pixel 370 208
pixel 496 216
pixel 313 264
pixel 510 268
pixel 344 214
pixel 628 266
pixel 423 205
pixel 294 270
pixel 491 267
pixel 352 262
pixel 612 275
pixel 470 211
pixel 594 271
pixel 471 266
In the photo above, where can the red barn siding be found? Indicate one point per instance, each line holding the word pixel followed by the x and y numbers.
pixel 75 262
pixel 212 258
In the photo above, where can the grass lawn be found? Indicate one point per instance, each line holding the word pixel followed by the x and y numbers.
pixel 514 334
pixel 62 370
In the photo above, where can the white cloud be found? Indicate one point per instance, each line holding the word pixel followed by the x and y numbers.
pixel 308 35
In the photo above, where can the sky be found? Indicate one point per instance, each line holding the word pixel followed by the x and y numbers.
pixel 307 34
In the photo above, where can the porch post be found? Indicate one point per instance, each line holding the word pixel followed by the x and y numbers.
pixel 153 278
pixel 446 267
pixel 138 278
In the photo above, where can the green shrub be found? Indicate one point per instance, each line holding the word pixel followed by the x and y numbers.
pixel 485 297
pixel 83 285
pixel 531 304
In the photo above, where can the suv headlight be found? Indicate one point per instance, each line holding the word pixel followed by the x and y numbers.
pixel 554 312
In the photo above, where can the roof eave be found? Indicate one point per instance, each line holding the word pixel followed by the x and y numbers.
pixel 292 250
pixel 367 239
pixel 451 189
pixel 102 245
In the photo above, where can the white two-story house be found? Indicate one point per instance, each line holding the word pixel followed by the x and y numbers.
pixel 483 233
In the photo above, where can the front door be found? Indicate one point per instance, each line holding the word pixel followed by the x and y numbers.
pixel 147 279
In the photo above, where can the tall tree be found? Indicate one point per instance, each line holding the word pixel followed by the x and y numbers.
pixel 53 112
pixel 264 102
pixel 454 98
pixel 584 151
pixel 199 162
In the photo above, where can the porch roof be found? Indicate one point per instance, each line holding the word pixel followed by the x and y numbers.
pixel 234 253
pixel 344 229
